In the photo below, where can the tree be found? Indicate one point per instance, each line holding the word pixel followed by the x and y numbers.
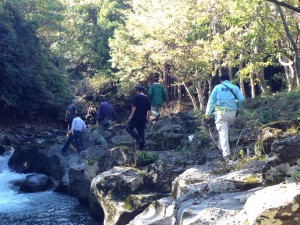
pixel 31 83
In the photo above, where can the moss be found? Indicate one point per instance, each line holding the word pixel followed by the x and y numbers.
pixel 177 162
pixel 123 147
pixel 292 130
pixel 240 164
pixel 297 177
pixel 91 162
pixel 253 179
pixel 259 149
pixel 260 158
pixel 218 172
pixel 129 202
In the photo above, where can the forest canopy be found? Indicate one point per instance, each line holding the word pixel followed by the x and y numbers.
pixel 53 50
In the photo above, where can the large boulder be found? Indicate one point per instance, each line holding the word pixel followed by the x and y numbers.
pixel 169 136
pixel 284 162
pixel 119 192
pixel 277 204
pixel 35 183
pixel 167 166
pixel 42 158
pixel 171 132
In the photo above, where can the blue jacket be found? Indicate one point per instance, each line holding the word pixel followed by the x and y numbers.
pixel 221 96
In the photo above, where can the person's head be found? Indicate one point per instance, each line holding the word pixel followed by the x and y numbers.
pixel 139 88
pixel 103 99
pixel 224 77
pixel 75 101
pixel 155 80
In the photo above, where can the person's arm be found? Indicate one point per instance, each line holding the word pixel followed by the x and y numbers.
pixel 99 114
pixel 150 92
pixel 133 109
pixel 240 98
pixel 148 116
pixel 72 127
pixel 164 94
pixel 211 102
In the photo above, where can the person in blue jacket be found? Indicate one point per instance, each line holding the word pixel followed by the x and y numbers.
pixel 225 99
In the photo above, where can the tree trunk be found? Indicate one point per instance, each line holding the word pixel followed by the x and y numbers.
pixel 294 45
pixel 252 84
pixel 191 96
pixel 230 73
pixel 200 94
pixel 289 71
pixel 165 82
pixel 242 85
pixel 261 81
pixel 179 93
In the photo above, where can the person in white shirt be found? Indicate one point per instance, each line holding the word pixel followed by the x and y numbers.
pixel 78 126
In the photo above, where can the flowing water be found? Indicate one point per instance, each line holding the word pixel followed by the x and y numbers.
pixel 47 207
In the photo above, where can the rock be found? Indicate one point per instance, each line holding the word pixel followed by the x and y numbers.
pixel 222 209
pixel 269 135
pixel 169 136
pixel 79 186
pixel 234 181
pixel 35 183
pixel 159 212
pixel 284 161
pixel 121 156
pixel 168 165
pixel 277 204
pixel 116 189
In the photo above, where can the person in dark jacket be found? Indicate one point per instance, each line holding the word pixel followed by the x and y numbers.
pixel 157 95
pixel 70 113
pixel 139 116
pixel 105 115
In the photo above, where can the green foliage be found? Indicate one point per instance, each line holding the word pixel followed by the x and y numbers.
pixel 146 157
pixel 31 83
pixel 267 115
pixel 91 162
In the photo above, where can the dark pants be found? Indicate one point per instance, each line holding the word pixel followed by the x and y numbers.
pixel 77 137
pixel 139 124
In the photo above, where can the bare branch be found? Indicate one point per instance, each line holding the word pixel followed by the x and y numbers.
pixel 285 5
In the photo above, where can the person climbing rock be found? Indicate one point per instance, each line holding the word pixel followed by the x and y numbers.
pixel 105 115
pixel 225 99
pixel 77 128
pixel 157 95
pixel 139 116
pixel 70 113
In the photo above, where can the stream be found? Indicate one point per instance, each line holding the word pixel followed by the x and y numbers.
pixel 37 208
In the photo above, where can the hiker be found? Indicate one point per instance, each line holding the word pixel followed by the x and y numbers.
pixel 70 113
pixel 105 115
pixel 140 115
pixel 157 95
pixel 225 99
pixel 77 128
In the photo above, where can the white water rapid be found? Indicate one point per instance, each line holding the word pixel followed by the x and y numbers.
pixel 40 208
